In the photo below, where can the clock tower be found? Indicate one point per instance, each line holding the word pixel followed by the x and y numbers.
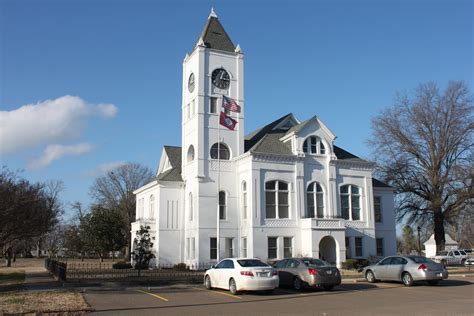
pixel 212 70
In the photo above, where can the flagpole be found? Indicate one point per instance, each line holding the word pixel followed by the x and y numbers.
pixel 218 180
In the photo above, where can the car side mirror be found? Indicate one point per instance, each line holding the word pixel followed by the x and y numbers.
pixel 213 266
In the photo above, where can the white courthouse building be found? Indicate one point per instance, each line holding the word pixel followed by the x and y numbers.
pixel 283 190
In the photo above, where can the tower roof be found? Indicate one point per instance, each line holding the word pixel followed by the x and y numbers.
pixel 214 36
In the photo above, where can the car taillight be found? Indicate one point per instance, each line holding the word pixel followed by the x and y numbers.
pixel 247 273
pixel 312 271
pixel 274 272
pixel 423 267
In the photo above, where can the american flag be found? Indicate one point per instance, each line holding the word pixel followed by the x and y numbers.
pixel 230 104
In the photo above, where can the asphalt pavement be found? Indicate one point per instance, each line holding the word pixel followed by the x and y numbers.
pixel 451 297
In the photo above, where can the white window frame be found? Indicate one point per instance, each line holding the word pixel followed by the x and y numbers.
pixel 244 200
pixel 268 247
pixel 290 239
pixel 314 196
pixel 313 145
pixel 349 196
pixel 152 206
pixel 211 105
pixel 243 252
pixel 277 204
pixel 190 206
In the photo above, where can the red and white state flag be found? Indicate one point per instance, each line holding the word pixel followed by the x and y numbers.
pixel 227 121
pixel 230 104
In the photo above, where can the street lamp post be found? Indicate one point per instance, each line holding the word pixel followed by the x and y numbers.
pixel 419 241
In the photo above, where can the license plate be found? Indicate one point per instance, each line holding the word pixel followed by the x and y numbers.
pixel 263 274
pixel 329 271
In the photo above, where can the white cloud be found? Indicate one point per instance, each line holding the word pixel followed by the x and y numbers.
pixel 47 122
pixel 104 168
pixel 55 152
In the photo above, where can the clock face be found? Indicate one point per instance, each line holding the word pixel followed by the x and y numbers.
pixel 191 83
pixel 220 78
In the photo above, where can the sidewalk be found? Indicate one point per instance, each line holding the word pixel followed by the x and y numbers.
pixel 40 279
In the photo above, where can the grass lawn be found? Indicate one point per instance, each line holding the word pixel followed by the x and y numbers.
pixel 57 302
pixel 12 277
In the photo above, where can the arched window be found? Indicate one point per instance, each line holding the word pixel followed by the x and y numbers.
pixel 190 202
pixel 190 153
pixel 315 200
pixel 314 145
pixel 244 200
pixel 276 199
pixel 350 202
pixel 152 206
pixel 222 208
pixel 220 151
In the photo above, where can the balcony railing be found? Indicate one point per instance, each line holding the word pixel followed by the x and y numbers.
pixel 324 223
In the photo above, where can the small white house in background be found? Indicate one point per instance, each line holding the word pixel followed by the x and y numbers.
pixel 282 190
pixel 430 245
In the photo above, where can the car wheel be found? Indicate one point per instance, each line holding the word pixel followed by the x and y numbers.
pixel 407 279
pixel 328 287
pixel 433 282
pixel 297 284
pixel 232 287
pixel 207 282
pixel 370 277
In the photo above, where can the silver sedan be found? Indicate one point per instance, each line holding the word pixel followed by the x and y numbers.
pixel 407 269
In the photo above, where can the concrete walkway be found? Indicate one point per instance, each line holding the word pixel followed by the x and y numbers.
pixel 40 280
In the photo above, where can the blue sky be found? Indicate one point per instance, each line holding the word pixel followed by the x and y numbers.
pixel 120 64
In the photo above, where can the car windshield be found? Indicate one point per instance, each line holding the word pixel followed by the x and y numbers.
pixel 315 263
pixel 247 263
pixel 418 259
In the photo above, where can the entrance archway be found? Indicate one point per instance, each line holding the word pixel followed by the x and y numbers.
pixel 327 249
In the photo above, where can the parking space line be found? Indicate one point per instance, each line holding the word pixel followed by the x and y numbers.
pixel 222 293
pixel 154 295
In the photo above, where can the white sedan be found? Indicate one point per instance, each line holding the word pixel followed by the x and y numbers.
pixel 242 274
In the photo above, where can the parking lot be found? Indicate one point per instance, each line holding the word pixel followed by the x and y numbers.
pixel 454 297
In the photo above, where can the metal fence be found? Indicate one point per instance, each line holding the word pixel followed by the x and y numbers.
pixel 104 271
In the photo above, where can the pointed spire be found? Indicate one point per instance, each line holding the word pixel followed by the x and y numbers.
pixel 212 14
pixel 214 36
pixel 238 49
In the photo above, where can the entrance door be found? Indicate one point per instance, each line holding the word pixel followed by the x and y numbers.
pixel 327 249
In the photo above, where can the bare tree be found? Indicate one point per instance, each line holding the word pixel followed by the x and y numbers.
pixel 114 190
pixel 424 148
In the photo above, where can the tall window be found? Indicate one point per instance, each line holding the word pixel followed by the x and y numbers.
pixel 222 208
pixel 314 145
pixel 378 209
pixel 358 246
pixel 220 151
pixel 213 248
pixel 315 201
pixel 190 153
pixel 272 247
pixel 191 211
pixel 276 199
pixel 379 246
pixel 152 206
pixel 244 200
pixel 244 247
pixel 192 108
pixel 350 202
pixel 287 247
pixel 213 105
pixel 229 247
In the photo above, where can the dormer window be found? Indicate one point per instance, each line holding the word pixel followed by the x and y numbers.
pixel 313 145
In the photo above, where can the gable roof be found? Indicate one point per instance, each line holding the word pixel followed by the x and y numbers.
pixel 379 184
pixel 214 36
pixel 173 174
pixel 252 139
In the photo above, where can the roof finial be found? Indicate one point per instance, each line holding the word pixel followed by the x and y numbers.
pixel 212 14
